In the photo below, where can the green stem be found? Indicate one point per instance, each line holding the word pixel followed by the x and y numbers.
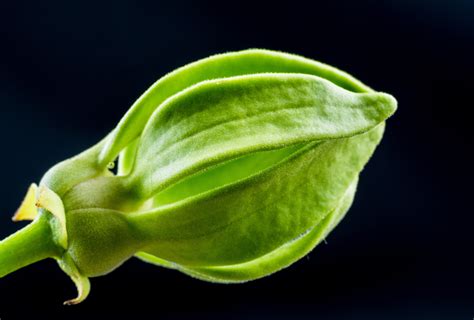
pixel 28 245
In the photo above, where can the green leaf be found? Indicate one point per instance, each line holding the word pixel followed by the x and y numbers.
pixel 226 118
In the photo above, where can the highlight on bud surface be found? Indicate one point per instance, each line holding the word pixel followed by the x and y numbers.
pixel 229 169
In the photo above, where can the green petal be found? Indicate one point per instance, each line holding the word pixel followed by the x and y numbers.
pixel 218 66
pixel 246 220
pixel 271 262
pixel 227 118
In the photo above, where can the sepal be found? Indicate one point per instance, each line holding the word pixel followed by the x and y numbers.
pixel 42 197
pixel 28 209
pixel 49 200
pixel 82 282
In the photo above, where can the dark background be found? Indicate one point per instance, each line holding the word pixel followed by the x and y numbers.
pixel 70 69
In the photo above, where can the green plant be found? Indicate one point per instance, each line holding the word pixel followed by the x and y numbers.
pixel 229 169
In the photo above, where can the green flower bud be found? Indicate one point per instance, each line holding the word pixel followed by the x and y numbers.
pixel 229 169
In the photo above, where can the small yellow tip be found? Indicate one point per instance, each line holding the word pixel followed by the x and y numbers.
pixel 28 209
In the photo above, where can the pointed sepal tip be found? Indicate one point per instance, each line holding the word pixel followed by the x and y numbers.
pixel 82 282
pixel 27 209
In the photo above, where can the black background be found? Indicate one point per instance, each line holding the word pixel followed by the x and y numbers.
pixel 70 69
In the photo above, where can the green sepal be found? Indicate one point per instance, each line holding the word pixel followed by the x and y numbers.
pixel 82 283
pixel 51 203
pixel 44 200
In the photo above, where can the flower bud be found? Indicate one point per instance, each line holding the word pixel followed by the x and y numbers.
pixel 229 169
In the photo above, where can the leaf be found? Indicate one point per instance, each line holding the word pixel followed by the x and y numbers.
pixel 226 118
pixel 246 220
pixel 218 66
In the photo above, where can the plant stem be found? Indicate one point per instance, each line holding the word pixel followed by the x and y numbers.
pixel 28 245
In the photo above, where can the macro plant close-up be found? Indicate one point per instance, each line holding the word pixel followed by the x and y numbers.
pixel 251 160
pixel 228 169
